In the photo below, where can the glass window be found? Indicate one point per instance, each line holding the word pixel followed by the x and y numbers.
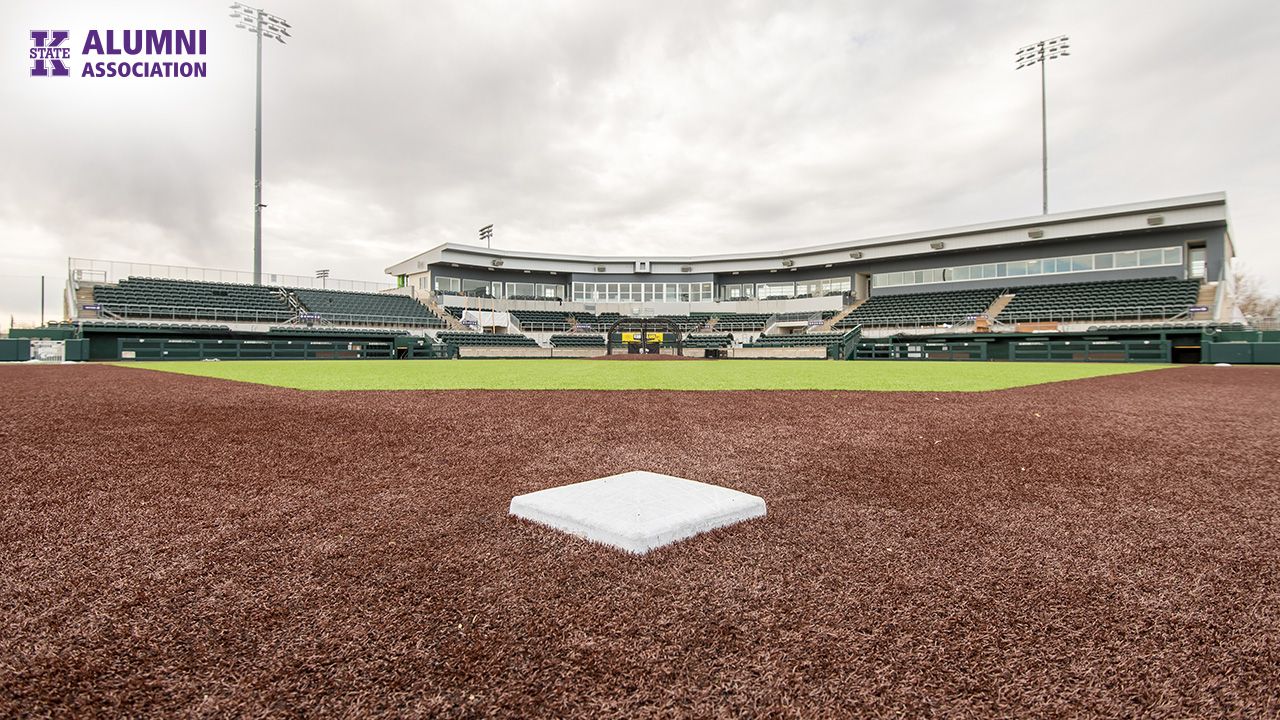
pixel 1002 269
pixel 836 285
pixel 1034 266
pixel 1104 261
pixel 1079 263
pixel 1152 256
pixel 1173 256
pixel 1126 259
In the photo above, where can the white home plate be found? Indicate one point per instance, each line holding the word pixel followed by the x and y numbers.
pixel 637 511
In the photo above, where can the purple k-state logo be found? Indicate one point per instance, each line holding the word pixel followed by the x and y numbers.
pixel 50 53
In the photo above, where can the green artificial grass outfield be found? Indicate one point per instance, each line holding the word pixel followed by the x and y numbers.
pixel 614 375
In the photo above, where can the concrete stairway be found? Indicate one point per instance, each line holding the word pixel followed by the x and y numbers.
pixel 452 322
pixel 830 324
pixel 1208 291
pixel 998 305
pixel 84 296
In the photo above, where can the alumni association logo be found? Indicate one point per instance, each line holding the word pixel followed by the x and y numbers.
pixel 124 53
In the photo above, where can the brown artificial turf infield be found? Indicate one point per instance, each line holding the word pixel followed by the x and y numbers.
pixel 184 546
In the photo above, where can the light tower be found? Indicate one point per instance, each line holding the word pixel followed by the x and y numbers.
pixel 486 234
pixel 1042 52
pixel 263 24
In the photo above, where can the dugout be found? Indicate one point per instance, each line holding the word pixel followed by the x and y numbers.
pixel 644 335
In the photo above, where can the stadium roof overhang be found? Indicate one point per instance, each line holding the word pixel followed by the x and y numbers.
pixel 1208 210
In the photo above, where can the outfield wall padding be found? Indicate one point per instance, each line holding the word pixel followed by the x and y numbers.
pixel 816 353
pixel 1242 353
pixel 15 350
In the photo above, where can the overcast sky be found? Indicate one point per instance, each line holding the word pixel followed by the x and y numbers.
pixel 597 126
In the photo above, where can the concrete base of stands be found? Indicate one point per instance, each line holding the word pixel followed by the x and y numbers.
pixel 504 352
pixel 637 511
pixel 817 353
pixel 576 352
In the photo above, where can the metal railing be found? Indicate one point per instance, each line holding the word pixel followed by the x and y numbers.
pixel 531 326
pixel 154 312
pixel 1134 313
pixel 110 271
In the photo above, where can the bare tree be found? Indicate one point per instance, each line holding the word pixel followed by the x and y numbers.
pixel 1252 297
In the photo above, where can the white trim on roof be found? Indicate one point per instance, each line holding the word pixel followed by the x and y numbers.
pixel 1193 210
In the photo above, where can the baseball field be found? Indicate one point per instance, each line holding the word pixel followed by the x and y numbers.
pixel 942 540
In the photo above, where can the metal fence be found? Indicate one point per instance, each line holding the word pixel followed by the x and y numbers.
pixel 151 312
pixel 88 270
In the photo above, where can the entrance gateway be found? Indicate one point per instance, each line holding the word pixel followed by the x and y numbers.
pixel 50 351
pixel 644 335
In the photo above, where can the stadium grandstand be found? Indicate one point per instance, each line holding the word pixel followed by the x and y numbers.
pixel 1155 267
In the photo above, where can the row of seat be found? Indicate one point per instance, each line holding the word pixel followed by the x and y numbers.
pixel 1169 326
pixel 475 339
pixel 1159 297
pixel 189 299
pixel 797 340
pixel 1146 297
pixel 542 320
pixel 110 324
pixel 367 308
pixel 577 341
pixel 945 306
pixel 192 299
pixel 301 330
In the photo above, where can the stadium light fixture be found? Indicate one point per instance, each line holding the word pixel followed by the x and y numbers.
pixel 263 24
pixel 1040 53
pixel 322 274
pixel 486 234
